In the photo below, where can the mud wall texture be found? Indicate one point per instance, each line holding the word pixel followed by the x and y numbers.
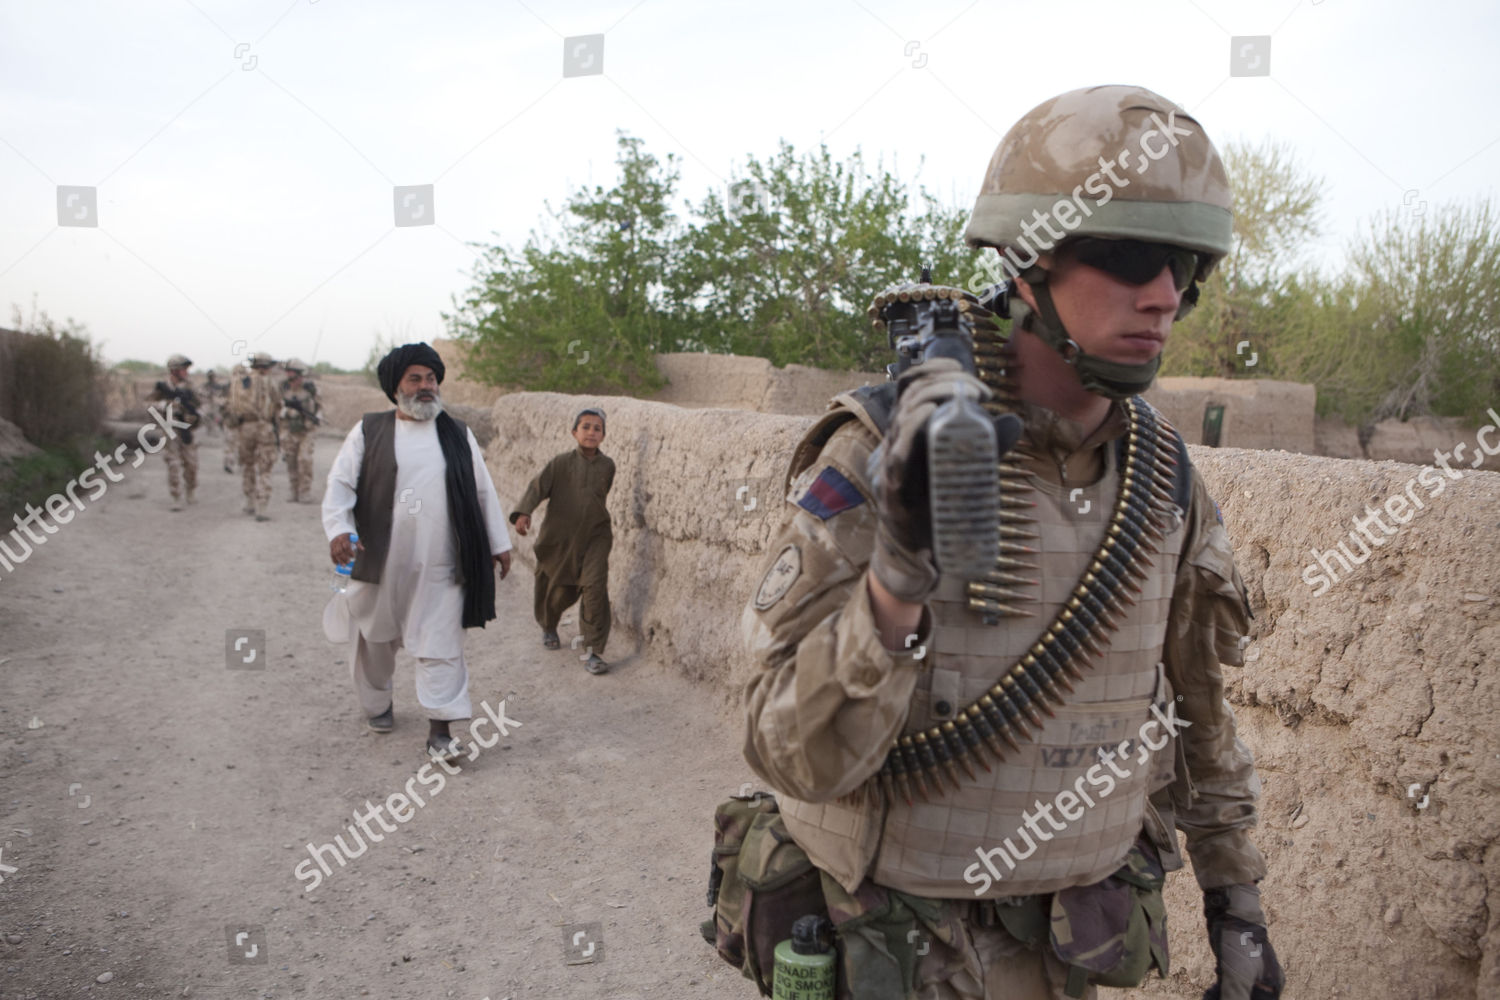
pixel 1370 700
pixel 694 503
pixel 733 382
pixel 1258 413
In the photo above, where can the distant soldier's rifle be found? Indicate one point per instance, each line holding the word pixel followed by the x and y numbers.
pixel 293 403
pixel 183 396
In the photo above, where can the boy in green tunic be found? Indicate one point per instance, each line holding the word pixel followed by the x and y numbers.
pixel 572 552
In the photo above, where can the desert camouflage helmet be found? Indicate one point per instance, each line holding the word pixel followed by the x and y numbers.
pixel 294 365
pixel 1110 162
pixel 260 360
pixel 179 361
pixel 1165 182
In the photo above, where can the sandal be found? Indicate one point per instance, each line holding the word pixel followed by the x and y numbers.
pixel 549 639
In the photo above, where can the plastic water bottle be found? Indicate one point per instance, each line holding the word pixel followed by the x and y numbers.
pixel 342 570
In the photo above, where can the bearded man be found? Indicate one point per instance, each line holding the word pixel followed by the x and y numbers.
pixel 412 484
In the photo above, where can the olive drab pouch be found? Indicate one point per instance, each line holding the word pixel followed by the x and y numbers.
pixel 883 935
pixel 760 883
pixel 1112 933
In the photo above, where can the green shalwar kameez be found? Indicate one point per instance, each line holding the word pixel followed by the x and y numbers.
pixel 572 549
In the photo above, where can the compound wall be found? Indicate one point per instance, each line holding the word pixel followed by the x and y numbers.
pixel 1258 413
pixel 1371 703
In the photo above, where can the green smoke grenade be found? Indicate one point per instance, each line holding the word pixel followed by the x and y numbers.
pixel 804 964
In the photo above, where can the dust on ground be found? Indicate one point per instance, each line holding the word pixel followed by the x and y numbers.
pixel 161 803
pixel 156 802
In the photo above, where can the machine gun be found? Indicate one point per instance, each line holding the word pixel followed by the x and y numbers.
pixel 925 322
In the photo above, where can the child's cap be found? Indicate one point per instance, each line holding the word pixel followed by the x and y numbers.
pixel 597 411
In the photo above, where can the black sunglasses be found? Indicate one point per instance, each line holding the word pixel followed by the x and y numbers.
pixel 1135 261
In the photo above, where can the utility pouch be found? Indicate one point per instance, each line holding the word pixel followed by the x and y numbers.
pixel 1112 933
pixel 883 935
pixel 759 884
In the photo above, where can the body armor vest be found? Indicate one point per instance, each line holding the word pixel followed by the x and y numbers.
pixel 1054 813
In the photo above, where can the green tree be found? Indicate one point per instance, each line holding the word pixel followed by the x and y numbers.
pixel 584 310
pixel 1410 327
pixel 52 385
pixel 784 266
pixel 1431 287
pixel 1265 281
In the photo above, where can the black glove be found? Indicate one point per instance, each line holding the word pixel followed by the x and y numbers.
pixel 902 560
pixel 1244 960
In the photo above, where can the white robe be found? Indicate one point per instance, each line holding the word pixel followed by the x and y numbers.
pixel 417 600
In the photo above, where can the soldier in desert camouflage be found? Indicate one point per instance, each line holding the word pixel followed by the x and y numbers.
pixel 180 450
pixel 228 421
pixel 253 405
pixel 919 727
pixel 299 419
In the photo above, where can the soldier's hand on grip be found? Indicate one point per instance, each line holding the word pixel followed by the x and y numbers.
pixel 1244 959
pixel 902 560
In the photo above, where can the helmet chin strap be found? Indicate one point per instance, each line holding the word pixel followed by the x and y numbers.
pixel 1110 379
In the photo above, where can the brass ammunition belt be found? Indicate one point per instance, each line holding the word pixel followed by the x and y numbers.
pixel 921 762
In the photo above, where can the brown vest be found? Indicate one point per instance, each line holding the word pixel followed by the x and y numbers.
pixel 375 493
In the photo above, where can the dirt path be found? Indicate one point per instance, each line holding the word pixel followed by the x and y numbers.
pixel 161 803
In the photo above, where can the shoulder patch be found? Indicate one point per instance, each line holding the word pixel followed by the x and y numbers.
pixel 779 578
pixel 830 494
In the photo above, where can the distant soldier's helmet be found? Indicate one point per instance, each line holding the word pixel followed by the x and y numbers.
pixel 259 360
pixel 179 361
pixel 294 365
pixel 1116 162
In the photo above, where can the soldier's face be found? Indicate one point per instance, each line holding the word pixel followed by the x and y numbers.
pixel 1108 317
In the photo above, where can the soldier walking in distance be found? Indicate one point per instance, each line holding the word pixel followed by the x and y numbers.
pixel 228 421
pixel 213 402
pixel 988 772
pixel 299 419
pixel 180 450
pixel 254 404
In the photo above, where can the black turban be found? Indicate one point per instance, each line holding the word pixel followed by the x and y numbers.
pixel 394 365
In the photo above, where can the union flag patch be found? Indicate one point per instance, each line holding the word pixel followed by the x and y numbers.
pixel 830 494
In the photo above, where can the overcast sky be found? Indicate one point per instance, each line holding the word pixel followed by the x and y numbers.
pixel 245 155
